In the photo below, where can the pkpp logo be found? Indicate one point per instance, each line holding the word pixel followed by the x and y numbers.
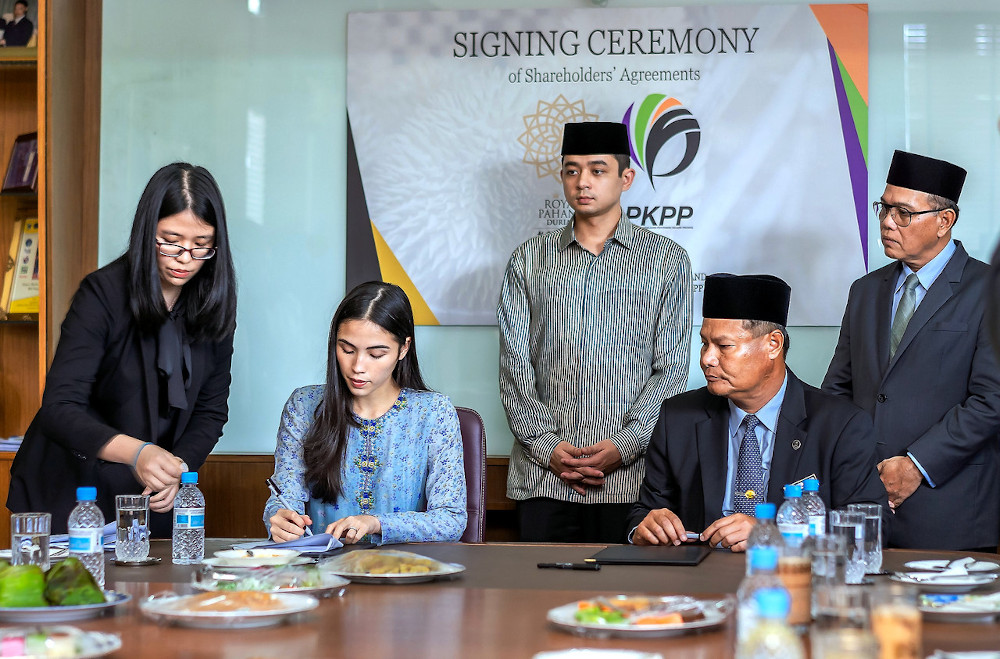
pixel 657 130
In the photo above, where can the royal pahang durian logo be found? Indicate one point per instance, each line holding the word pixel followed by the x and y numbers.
pixel 664 136
pixel 543 129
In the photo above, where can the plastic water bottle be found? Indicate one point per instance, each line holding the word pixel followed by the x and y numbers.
pixel 189 522
pixel 762 565
pixel 815 508
pixel 772 638
pixel 765 532
pixel 86 533
pixel 793 522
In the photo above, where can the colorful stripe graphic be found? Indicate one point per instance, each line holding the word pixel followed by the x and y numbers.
pixel 846 29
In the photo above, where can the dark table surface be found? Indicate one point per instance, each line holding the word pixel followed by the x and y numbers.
pixel 496 608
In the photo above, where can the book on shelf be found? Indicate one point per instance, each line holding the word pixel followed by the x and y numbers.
pixel 22 169
pixel 19 299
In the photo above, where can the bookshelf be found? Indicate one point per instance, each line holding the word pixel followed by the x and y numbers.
pixel 53 89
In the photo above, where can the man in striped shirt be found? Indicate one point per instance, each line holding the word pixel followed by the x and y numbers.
pixel 595 331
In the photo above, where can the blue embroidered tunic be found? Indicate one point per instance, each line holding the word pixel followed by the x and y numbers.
pixel 406 468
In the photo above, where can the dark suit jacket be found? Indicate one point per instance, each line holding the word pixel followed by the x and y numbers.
pixel 103 382
pixel 817 434
pixel 19 33
pixel 939 398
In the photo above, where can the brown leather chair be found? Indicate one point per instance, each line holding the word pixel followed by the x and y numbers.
pixel 474 444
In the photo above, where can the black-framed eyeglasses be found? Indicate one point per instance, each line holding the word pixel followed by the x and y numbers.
pixel 900 216
pixel 197 253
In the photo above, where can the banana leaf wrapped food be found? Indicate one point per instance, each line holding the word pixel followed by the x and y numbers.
pixel 69 583
pixel 22 586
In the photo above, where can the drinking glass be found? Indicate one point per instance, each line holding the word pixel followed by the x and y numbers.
pixel 829 564
pixel 895 621
pixel 132 541
pixel 844 643
pixel 873 535
pixel 29 539
pixel 850 524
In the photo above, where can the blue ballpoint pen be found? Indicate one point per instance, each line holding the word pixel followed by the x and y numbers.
pixel 276 491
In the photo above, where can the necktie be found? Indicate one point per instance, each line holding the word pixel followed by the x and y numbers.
pixel 907 304
pixel 749 471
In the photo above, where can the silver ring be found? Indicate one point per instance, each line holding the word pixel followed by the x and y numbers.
pixel 352 528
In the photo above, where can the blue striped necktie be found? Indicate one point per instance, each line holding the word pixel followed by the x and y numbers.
pixel 749 470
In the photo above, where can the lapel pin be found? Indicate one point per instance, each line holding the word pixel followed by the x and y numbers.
pixel 796 445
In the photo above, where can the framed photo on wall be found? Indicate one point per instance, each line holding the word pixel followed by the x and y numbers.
pixel 22 169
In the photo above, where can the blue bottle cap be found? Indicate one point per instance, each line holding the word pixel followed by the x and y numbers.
pixel 773 602
pixel 793 491
pixel 763 558
pixel 86 494
pixel 766 511
pixel 189 477
pixel 810 485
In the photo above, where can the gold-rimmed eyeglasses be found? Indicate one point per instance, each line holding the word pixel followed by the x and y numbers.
pixel 900 215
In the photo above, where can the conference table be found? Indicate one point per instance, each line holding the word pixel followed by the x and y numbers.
pixel 497 607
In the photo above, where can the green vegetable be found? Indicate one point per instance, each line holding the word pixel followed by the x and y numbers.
pixel 595 615
pixel 69 583
pixel 22 586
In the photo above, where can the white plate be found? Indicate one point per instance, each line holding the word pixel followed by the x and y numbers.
pixel 256 557
pixel 960 608
pixel 62 613
pixel 54 552
pixel 977 566
pixel 169 608
pixel 564 618
pixel 593 653
pixel 91 644
pixel 331 585
pixel 222 562
pixel 448 570
pixel 954 584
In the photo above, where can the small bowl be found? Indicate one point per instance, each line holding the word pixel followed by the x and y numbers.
pixel 256 557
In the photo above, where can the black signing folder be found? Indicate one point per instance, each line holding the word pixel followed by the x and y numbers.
pixel 652 555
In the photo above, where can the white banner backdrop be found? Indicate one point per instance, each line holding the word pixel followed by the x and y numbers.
pixel 743 140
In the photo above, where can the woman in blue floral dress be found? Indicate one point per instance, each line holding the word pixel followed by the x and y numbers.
pixel 372 453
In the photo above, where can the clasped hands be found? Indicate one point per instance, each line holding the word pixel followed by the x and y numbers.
pixel 900 477
pixel 663 527
pixel 585 467
pixel 289 525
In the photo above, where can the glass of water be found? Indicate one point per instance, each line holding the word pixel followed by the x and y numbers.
pixel 29 539
pixel 850 524
pixel 873 535
pixel 132 542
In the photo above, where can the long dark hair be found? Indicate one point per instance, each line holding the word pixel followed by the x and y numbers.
pixel 387 306
pixel 210 297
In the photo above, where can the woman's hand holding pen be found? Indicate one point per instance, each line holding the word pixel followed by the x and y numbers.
pixel 288 525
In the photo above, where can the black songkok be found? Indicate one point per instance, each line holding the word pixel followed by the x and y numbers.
pixel 746 297
pixel 916 172
pixel 590 137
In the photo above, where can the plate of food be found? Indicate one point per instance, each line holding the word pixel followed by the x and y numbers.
pixel 630 616
pixel 960 608
pixel 390 566
pixel 929 582
pixel 308 579
pixel 942 564
pixel 253 557
pixel 65 592
pixel 219 610
pixel 57 641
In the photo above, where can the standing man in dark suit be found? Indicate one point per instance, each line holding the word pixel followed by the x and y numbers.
pixel 914 353
pixel 20 30
pixel 718 451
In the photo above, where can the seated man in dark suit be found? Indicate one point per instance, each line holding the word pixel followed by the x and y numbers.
pixel 718 451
